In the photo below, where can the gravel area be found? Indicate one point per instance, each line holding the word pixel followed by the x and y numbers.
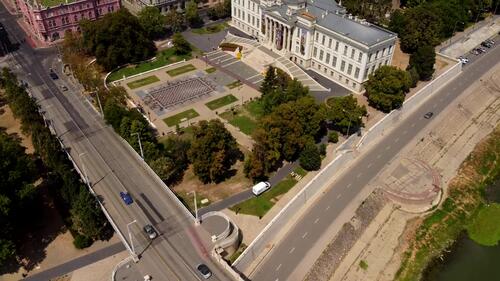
pixel 331 257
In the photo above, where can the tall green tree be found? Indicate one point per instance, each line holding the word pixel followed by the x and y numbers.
pixel 310 158
pixel 423 61
pixel 174 21
pixel 181 45
pixel 152 21
pixel 116 39
pixel 192 16
pixel 345 114
pixel 213 151
pixel 387 87
pixel 422 27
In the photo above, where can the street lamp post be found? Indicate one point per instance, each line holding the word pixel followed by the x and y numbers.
pixel 197 222
pixel 140 145
pixel 134 255
pixel 83 168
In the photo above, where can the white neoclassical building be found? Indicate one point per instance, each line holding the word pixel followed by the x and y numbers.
pixel 317 35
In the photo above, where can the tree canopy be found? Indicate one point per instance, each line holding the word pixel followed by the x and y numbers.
pixel 373 11
pixel 310 158
pixel 345 114
pixel 152 21
pixel 191 13
pixel 387 87
pixel 423 62
pixel 174 21
pixel 213 151
pixel 116 39
pixel 181 45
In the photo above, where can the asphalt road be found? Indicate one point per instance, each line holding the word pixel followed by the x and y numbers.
pixel 112 166
pixel 287 261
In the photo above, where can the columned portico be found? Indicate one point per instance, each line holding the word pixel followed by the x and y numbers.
pixel 278 35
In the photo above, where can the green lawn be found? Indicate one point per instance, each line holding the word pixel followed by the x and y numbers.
pixel 181 70
pixel 234 84
pixel 210 70
pixel 485 228
pixel 243 122
pixel 220 102
pixel 210 29
pixel 255 108
pixel 259 205
pixel 176 119
pixel 163 58
pixel 142 82
pixel 300 171
pixel 52 3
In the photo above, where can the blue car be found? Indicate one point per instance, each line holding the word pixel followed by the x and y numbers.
pixel 126 197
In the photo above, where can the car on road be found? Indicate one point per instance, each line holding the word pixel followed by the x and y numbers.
pixel 486 44
pixel 428 115
pixel 475 51
pixel 204 271
pixel 150 231
pixel 260 188
pixel 463 60
pixel 490 41
pixel 64 88
pixel 126 197
pixel 53 75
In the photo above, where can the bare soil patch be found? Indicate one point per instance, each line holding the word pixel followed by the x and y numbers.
pixel 12 126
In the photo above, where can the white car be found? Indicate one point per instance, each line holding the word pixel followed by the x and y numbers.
pixel 463 60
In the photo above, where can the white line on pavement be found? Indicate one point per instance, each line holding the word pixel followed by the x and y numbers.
pixel 369 164
pixel 291 250
pixel 349 185
pixel 278 267
pixel 327 207
pixel 413 125
pixel 304 236
pixel 388 147
pixel 357 176
pixel 396 140
pixel 316 220
pixel 338 196
pixel 405 132
pixel 378 156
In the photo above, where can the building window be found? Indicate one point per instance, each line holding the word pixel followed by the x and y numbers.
pixel 349 69
pixel 334 61
pixel 345 50
pixel 370 57
pixel 321 55
pixel 330 43
pixel 319 66
pixel 383 52
pixel 297 49
pixel 313 64
pixel 258 22
pixel 390 49
pixel 323 40
pixel 356 73
pixel 342 66
pixel 327 60
pixel 75 18
pixel 336 46
pixel 317 36
pixel 325 70
pixel 315 52
pixel 331 73
pixel 353 84
pixel 366 73
pixel 352 53
pixel 360 56
pixel 378 52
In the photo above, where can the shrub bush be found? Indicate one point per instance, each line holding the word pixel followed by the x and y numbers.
pixel 82 242
pixel 333 137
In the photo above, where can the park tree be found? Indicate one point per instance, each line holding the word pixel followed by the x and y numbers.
pixel 413 76
pixel 152 21
pixel 373 11
pixel 345 114
pixel 111 48
pixel 191 14
pixel 164 167
pixel 310 158
pixel 420 26
pixel 387 87
pixel 174 21
pixel 213 151
pixel 87 217
pixel 181 45
pixel 423 61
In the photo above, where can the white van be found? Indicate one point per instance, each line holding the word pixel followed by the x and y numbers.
pixel 260 187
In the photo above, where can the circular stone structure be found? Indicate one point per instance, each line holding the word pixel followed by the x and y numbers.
pixel 413 184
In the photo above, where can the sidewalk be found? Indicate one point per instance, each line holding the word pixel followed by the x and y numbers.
pixel 462 42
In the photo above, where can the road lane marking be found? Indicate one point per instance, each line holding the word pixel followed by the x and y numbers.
pixel 388 147
pixel 349 185
pixel 370 164
pixel 405 132
pixel 396 140
pixel 291 250
pixel 378 156
pixel 435 105
pixel 328 207
pixel 357 176
pixel 338 196
pixel 304 236
pixel 413 125
pixel 278 267
pixel 316 221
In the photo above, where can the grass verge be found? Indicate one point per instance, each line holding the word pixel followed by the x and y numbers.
pixel 260 205
pixel 243 122
pixel 236 254
pixel 220 102
pixel 439 230
pixel 176 119
pixel 163 58
pixel 234 84
pixel 181 70
pixel 143 82
pixel 210 70
pixel 210 29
